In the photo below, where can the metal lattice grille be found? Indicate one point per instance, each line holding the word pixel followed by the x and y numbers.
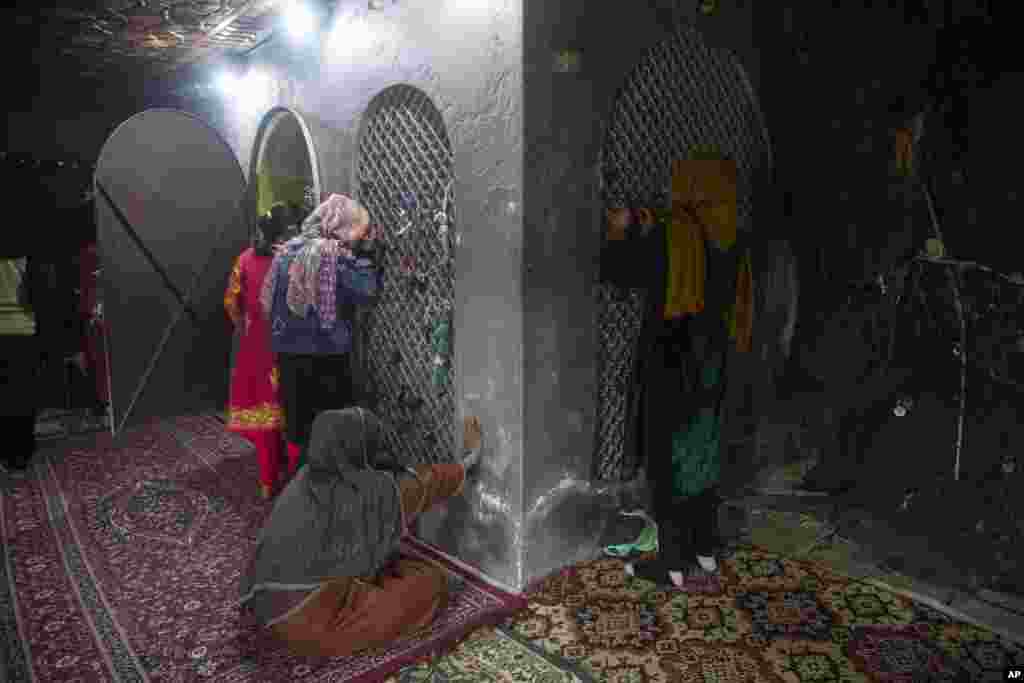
pixel 405 174
pixel 683 94
pixel 620 314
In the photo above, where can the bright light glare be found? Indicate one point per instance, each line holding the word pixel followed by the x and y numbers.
pixel 249 91
pixel 227 83
pixel 254 89
pixel 350 36
pixel 299 20
pixel 257 81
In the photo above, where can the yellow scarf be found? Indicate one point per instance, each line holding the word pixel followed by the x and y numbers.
pixel 741 316
pixel 703 207
pixel 686 270
pixel 904 152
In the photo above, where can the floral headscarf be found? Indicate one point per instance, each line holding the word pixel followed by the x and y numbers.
pixel 313 269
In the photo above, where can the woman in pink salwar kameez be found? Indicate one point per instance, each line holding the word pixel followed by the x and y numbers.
pixel 254 409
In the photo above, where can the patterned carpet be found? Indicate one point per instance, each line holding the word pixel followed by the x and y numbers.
pixel 766 619
pixel 494 655
pixel 122 562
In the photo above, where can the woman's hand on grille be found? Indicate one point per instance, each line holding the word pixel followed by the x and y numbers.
pixel 619 220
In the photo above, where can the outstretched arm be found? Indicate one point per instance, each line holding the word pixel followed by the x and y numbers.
pixel 428 485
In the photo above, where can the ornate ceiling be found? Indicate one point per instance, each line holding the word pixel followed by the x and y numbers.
pixel 107 41
pixel 160 34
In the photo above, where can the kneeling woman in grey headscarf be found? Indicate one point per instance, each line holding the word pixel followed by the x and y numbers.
pixel 326 576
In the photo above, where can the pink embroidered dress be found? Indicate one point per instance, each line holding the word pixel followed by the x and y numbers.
pixel 254 410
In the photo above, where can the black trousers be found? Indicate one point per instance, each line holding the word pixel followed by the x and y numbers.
pixel 311 384
pixel 19 401
pixel 674 393
pixel 687 528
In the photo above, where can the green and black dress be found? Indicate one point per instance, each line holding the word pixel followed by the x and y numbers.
pixel 673 420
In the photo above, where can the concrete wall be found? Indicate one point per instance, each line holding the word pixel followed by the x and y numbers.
pixel 830 103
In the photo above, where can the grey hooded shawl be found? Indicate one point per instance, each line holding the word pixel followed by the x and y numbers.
pixel 338 517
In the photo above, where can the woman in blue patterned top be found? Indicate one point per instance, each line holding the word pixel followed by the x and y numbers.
pixel 310 296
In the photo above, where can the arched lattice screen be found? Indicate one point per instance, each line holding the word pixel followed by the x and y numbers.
pixel 682 94
pixel 405 175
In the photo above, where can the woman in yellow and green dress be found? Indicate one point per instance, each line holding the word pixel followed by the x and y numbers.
pixel 691 262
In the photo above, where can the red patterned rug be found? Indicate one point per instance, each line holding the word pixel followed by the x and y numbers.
pixel 122 562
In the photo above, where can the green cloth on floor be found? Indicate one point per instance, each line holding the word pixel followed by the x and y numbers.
pixel 646 542
pixel 272 188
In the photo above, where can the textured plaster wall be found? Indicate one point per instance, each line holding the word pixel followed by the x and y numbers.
pixel 831 103
pixel 466 56
pixel 565 115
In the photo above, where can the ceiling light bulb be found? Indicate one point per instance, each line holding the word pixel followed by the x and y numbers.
pixel 299 20
pixel 226 82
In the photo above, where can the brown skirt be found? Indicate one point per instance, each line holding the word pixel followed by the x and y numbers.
pixel 348 615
